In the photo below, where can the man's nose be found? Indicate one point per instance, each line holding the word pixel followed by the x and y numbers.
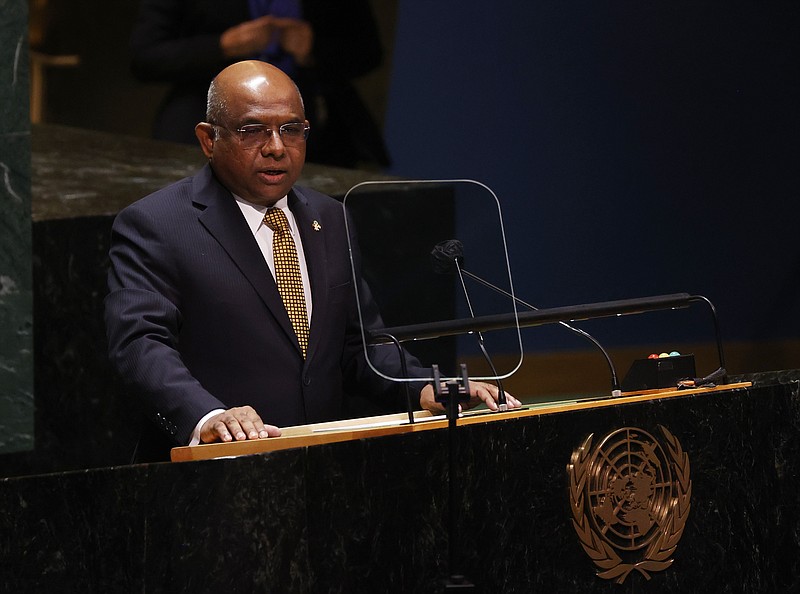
pixel 274 144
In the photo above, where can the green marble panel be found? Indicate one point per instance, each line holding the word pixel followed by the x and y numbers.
pixel 16 320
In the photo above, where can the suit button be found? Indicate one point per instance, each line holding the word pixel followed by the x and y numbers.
pixel 306 381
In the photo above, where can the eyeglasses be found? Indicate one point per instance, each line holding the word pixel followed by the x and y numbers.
pixel 257 135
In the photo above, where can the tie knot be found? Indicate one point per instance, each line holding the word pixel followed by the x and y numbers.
pixel 276 220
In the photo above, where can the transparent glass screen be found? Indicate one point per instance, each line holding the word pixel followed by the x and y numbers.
pixel 434 304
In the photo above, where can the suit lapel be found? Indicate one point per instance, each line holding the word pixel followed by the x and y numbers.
pixel 221 217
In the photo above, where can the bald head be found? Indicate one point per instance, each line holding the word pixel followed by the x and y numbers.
pixel 250 77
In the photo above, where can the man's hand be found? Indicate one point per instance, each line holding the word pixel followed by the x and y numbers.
pixel 239 423
pixel 296 38
pixel 248 38
pixel 251 37
pixel 478 391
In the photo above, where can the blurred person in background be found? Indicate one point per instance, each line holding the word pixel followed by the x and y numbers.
pixel 322 45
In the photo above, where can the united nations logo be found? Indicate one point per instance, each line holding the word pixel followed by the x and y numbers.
pixel 630 498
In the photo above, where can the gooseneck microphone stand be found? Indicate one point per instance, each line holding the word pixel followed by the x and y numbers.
pixel 616 390
pixel 502 404
pixel 404 370
pixel 447 256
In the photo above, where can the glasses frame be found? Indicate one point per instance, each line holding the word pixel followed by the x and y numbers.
pixel 242 130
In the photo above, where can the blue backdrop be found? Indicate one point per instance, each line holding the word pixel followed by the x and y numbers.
pixel 637 148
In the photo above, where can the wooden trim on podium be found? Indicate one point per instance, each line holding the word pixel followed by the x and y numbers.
pixel 396 424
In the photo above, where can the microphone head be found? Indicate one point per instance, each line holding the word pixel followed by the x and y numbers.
pixel 445 254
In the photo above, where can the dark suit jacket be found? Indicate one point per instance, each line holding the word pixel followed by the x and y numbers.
pixel 177 42
pixel 195 321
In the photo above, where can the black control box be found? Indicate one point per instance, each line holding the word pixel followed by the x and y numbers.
pixel 663 372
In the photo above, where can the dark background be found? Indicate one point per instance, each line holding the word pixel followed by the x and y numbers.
pixel 637 149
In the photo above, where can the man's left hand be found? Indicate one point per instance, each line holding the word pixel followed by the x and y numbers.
pixel 479 392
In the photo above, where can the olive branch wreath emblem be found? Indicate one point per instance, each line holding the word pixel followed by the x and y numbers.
pixel 657 557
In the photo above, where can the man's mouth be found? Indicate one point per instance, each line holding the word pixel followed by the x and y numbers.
pixel 272 174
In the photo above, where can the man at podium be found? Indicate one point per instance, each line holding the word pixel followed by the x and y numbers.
pixel 231 309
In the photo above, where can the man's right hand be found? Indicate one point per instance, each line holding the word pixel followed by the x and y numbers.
pixel 240 423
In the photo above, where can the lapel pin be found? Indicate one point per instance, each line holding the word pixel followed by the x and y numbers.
pixel 316 226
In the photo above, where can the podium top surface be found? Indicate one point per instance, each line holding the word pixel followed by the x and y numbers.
pixel 397 424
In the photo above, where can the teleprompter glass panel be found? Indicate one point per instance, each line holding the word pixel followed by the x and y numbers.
pixel 426 251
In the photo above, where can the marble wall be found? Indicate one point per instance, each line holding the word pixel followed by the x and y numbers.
pixel 16 324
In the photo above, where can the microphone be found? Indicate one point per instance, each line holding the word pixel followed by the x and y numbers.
pixel 445 254
pixel 447 257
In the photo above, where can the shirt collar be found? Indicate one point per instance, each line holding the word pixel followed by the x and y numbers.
pixel 254 213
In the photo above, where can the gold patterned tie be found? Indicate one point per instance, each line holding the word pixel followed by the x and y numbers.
pixel 287 274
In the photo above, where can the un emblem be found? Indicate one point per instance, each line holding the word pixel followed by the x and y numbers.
pixel 630 498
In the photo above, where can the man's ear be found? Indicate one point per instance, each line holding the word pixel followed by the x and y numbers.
pixel 206 135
